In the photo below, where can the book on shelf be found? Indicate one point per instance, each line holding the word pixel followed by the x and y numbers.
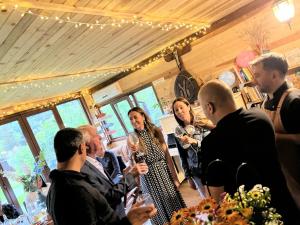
pixel 249 93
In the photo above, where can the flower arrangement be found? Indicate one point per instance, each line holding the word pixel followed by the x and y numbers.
pixel 243 208
pixel 28 180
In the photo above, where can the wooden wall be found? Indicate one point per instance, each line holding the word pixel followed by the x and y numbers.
pixel 216 52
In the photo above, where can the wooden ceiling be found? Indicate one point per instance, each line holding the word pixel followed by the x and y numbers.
pixel 42 58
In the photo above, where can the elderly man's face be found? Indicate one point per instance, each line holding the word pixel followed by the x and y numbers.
pixel 96 144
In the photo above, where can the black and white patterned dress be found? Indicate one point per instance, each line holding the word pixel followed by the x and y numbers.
pixel 158 182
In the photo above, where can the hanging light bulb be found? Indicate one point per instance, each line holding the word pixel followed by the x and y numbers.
pixel 3 7
pixel 284 10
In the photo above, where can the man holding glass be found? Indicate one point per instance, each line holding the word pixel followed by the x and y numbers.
pixel 72 199
pixel 101 179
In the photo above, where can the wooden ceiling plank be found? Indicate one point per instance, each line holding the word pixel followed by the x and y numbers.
pixel 42 43
pixel 94 11
pixel 41 47
pixel 91 50
pixel 44 46
pixel 60 43
pixel 149 47
pixel 89 38
pixel 24 44
pixel 117 48
pixel 9 24
pixel 15 34
pixel 65 56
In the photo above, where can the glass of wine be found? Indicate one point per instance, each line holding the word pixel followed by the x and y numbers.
pixel 145 199
pixel 180 132
pixel 190 130
pixel 133 139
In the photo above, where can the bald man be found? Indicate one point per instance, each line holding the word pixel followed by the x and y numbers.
pixel 241 150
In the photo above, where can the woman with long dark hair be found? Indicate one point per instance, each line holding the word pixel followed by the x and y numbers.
pixel 189 145
pixel 161 181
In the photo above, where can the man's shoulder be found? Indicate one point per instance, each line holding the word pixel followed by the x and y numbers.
pixel 292 99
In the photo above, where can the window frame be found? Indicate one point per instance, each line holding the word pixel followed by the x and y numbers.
pixel 21 118
pixel 125 96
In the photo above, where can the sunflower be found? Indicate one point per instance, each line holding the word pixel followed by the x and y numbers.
pixel 192 212
pixel 227 210
pixel 247 212
pixel 179 216
pixel 207 205
pixel 237 220
pixel 255 194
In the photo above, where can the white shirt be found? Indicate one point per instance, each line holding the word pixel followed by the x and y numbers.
pixel 97 164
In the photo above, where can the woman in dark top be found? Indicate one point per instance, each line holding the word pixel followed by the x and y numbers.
pixel 158 182
pixel 189 147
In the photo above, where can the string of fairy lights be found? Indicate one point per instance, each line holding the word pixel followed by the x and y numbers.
pixel 35 82
pixel 40 83
pixel 40 105
pixel 113 22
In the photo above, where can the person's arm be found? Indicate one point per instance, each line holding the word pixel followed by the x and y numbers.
pixel 184 162
pixel 294 138
pixel 292 114
pixel 214 172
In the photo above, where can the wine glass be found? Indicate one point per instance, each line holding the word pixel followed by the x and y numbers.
pixel 190 129
pixel 180 132
pixel 145 199
pixel 133 139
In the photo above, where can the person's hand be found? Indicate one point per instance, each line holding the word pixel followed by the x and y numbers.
pixel 177 183
pixel 139 169
pixel 192 184
pixel 188 140
pixel 138 214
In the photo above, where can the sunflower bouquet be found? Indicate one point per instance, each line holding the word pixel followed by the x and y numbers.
pixel 243 208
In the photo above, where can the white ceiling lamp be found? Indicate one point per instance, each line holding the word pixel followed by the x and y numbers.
pixel 284 10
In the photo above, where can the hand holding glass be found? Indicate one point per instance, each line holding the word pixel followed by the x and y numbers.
pixel 144 199
pixel 179 133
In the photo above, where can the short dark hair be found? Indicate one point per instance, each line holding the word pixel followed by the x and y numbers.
pixel 66 143
pixel 272 61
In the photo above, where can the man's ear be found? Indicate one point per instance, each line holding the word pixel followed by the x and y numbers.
pixel 211 107
pixel 81 148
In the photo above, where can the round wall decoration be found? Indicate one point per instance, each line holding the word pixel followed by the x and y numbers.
pixel 186 86
pixel 228 77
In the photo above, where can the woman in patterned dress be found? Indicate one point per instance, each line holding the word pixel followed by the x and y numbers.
pixel 161 181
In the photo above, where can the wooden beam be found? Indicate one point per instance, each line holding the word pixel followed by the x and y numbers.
pixel 79 73
pixel 63 8
pixel 217 27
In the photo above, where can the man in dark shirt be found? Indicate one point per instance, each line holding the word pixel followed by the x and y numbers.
pixel 241 137
pixel 72 199
pixel 283 107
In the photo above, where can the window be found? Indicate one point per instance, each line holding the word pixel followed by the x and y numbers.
pixel 19 138
pixel 119 121
pixel 3 199
pixel 146 99
pixel 112 119
pixel 122 109
pixel 44 128
pixel 15 157
pixel 72 114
